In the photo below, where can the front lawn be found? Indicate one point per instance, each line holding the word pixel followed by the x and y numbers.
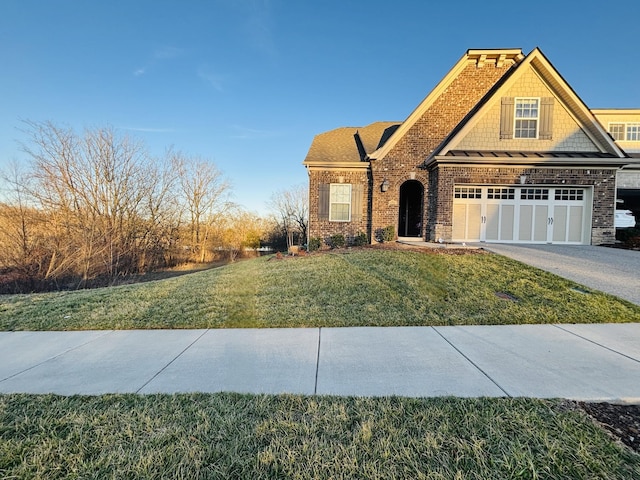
pixel 350 288
pixel 223 436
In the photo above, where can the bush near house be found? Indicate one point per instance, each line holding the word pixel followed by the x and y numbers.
pixel 386 234
pixel 314 244
pixel 360 240
pixel 337 241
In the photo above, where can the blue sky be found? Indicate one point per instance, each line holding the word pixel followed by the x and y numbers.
pixel 248 83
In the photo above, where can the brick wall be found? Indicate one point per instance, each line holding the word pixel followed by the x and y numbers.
pixel 385 205
pixel 404 160
pixel 324 229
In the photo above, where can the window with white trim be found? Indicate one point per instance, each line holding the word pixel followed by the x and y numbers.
pixel 625 132
pixel 617 131
pixel 526 118
pixel 340 202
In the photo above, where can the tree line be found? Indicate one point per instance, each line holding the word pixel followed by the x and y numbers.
pixel 96 207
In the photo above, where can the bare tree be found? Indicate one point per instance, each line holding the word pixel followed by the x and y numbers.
pixel 291 209
pixel 204 192
pixel 94 190
pixel 20 238
pixel 238 231
pixel 97 205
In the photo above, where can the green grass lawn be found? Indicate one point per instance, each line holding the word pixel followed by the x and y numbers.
pixel 225 436
pixel 351 288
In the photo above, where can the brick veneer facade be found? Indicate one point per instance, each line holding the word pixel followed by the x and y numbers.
pixel 405 160
pixel 323 229
pixel 474 85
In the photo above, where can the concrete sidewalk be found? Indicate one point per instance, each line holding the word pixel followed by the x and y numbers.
pixel 585 362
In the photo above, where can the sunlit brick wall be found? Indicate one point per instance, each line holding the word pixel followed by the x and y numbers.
pixel 406 158
pixel 323 228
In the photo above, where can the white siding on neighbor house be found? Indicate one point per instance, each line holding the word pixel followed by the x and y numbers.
pixel 628 179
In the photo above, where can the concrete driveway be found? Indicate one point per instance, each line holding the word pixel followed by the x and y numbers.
pixel 611 270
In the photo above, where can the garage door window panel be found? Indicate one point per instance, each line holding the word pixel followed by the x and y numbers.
pixel 534 194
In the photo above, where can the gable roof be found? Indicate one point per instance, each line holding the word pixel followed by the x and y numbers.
pixel 562 91
pixel 499 58
pixel 348 144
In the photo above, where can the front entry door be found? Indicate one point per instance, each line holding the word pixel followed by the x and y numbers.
pixel 410 212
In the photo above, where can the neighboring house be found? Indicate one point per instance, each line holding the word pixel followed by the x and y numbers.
pixel 624 127
pixel 501 150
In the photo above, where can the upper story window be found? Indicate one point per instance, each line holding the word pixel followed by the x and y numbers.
pixel 625 132
pixel 340 202
pixel 527 115
pixel 617 130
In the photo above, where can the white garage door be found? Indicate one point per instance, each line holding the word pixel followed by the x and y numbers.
pixel 522 214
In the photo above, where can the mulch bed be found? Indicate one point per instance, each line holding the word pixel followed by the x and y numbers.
pixel 435 250
pixel 622 421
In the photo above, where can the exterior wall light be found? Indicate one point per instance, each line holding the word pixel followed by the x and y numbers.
pixel 385 185
pixel 523 179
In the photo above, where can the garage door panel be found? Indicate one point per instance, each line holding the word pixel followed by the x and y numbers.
pixel 576 223
pixel 459 222
pixel 467 222
pixel 540 223
pixel 507 219
pixel 559 224
pixel 525 227
pixel 492 228
pixel 474 221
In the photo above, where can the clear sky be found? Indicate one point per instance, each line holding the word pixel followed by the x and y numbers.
pixel 248 83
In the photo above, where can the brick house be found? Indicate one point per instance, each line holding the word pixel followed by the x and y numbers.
pixel 501 150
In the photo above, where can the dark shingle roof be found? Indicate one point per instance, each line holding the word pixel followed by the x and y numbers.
pixel 349 144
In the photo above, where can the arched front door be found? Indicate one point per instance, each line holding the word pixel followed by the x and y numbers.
pixel 410 214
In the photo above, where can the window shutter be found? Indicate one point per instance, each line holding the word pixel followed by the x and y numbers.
pixel 323 203
pixel 356 203
pixel 506 118
pixel 546 118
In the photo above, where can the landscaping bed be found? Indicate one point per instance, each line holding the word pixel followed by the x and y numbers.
pixel 622 421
